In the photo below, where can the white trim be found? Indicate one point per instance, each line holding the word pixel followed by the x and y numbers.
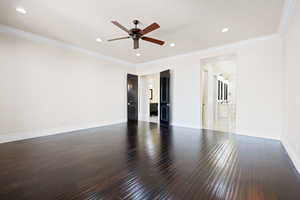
pixel 287 13
pixel 185 126
pixel 38 38
pixel 4 138
pixel 256 135
pixel 292 155
pixel 213 49
pixel 235 132
pixel 261 136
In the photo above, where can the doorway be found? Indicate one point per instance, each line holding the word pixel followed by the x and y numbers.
pixel 150 100
pixel 154 98
pixel 132 97
pixel 218 93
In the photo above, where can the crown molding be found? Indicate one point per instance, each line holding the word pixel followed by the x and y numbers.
pixel 213 49
pixel 38 38
pixel 287 13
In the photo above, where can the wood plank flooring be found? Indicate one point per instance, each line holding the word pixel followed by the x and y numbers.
pixel 143 161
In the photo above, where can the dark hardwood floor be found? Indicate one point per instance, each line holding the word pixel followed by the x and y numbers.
pixel 142 161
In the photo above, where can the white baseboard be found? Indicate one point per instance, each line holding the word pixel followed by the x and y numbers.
pixel 255 135
pixel 185 126
pixel 293 156
pixel 10 137
pixel 242 133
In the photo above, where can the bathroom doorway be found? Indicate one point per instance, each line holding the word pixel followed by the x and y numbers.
pixel 218 93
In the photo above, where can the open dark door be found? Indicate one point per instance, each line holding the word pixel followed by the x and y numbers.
pixel 132 97
pixel 165 98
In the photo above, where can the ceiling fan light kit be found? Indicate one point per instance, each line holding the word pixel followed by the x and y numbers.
pixel 136 34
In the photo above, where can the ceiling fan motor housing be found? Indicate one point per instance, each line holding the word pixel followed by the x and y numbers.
pixel 135 33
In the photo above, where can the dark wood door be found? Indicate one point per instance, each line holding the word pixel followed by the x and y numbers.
pixel 165 98
pixel 132 97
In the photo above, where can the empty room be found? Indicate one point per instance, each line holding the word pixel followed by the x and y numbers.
pixel 168 99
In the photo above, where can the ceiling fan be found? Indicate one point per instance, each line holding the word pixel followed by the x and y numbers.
pixel 136 34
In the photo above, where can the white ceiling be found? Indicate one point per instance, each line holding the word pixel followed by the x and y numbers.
pixel 191 24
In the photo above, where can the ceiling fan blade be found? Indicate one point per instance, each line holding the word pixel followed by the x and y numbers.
pixel 121 38
pixel 120 26
pixel 153 40
pixel 136 44
pixel 150 28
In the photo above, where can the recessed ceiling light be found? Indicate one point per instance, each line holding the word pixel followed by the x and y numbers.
pixel 172 45
pixel 138 54
pixel 99 40
pixel 224 30
pixel 21 10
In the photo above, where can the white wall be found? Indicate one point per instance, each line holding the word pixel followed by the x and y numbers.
pixel 259 86
pixel 291 135
pixel 45 89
